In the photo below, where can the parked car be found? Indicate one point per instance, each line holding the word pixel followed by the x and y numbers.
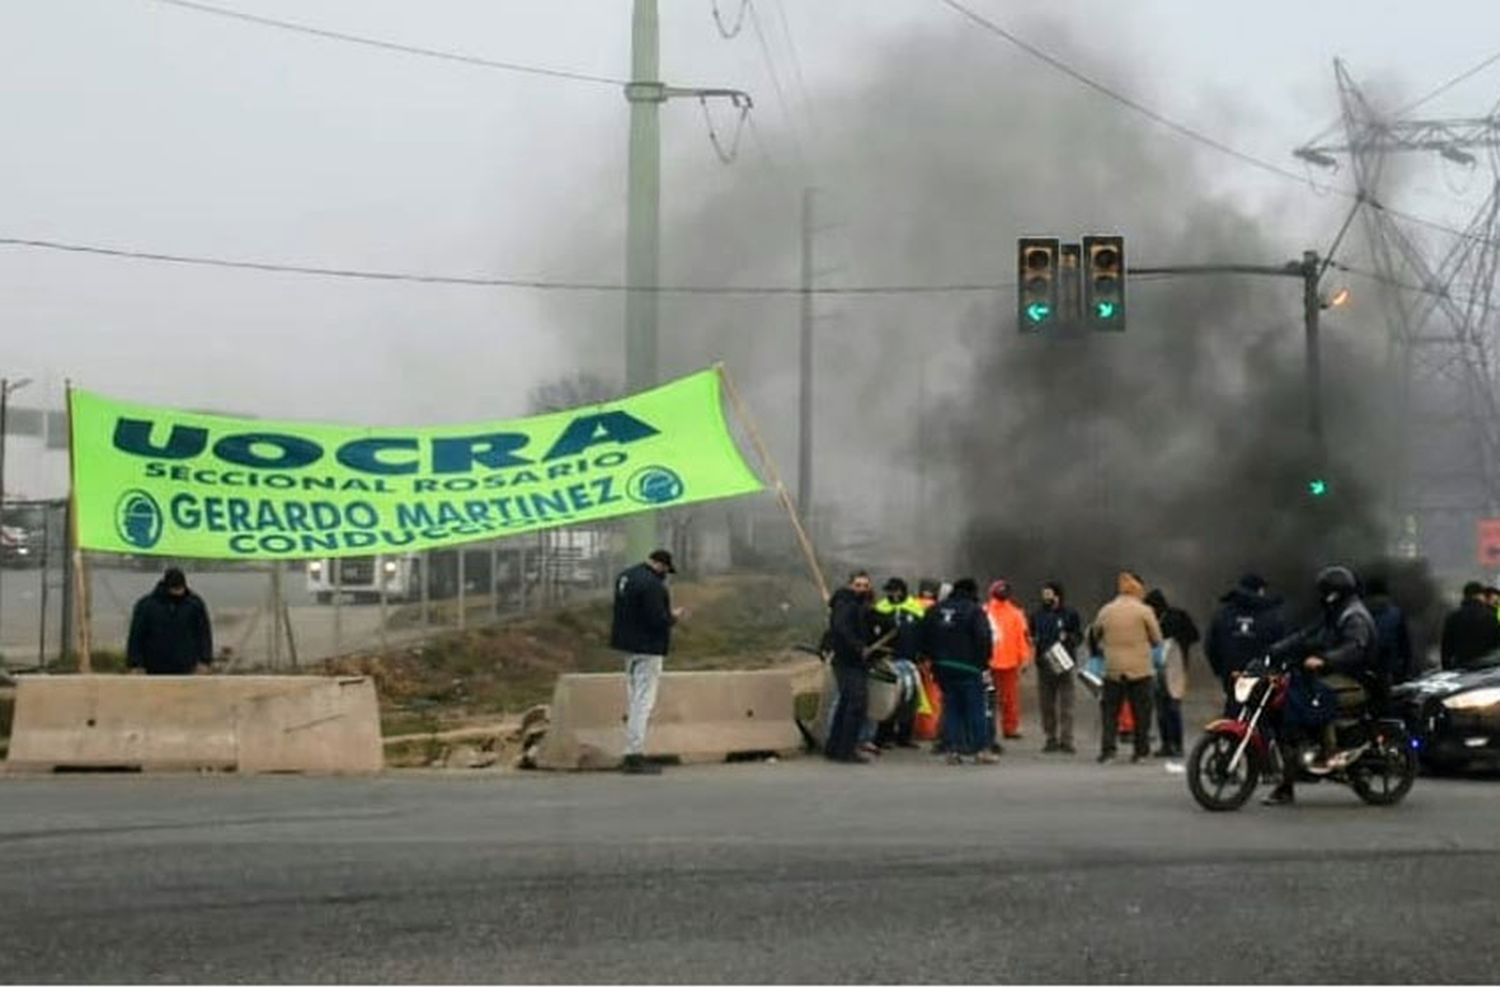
pixel 17 548
pixel 1454 715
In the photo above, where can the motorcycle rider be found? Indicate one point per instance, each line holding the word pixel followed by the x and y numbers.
pixel 1344 646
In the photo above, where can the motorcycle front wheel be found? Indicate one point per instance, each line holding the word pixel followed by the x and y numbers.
pixel 1384 776
pixel 1209 780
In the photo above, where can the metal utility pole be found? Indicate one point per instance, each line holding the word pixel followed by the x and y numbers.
pixel 1311 306
pixel 646 93
pixel 805 369
pixel 278 603
pixel 41 645
pixel 642 231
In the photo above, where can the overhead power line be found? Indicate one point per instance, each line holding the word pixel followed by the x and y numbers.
pixel 1464 76
pixel 481 281
pixel 791 47
pixel 1116 95
pixel 405 49
pixel 765 51
pixel 1183 129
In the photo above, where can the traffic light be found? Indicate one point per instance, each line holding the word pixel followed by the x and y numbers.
pixel 1036 268
pixel 1104 282
pixel 1317 487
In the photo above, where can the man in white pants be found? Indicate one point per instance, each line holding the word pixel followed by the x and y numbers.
pixel 642 629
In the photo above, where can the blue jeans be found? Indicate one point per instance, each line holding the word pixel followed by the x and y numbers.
pixel 965 730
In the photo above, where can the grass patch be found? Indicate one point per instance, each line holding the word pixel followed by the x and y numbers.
pixel 103 661
pixel 743 622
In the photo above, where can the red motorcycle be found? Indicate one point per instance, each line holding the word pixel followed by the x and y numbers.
pixel 1374 756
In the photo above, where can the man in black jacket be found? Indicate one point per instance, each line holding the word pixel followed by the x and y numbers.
pixel 642 629
pixel 1471 632
pixel 850 633
pixel 956 634
pixel 1055 623
pixel 170 632
pixel 1243 629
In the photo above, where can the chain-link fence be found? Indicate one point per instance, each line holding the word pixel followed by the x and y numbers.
pixel 34 578
pixel 290 615
pixel 280 616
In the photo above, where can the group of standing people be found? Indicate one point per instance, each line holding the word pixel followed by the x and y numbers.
pixel 968 649
pixel 965 650
pixel 1135 655
pixel 965 656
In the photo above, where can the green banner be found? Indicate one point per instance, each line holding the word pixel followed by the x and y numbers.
pixel 155 481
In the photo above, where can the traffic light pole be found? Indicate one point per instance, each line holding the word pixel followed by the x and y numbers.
pixel 1312 306
pixel 1310 270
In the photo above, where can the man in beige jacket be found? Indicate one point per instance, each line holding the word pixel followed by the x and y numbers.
pixel 1127 630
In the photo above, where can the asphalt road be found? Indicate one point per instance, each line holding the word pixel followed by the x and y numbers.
pixel 1033 871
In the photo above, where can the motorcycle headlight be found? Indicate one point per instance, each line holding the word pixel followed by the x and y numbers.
pixel 1243 687
pixel 1474 699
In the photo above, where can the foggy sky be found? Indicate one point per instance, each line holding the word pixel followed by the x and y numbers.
pixel 133 124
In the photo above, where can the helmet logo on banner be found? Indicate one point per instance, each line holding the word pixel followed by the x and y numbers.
pixel 655 485
pixel 138 519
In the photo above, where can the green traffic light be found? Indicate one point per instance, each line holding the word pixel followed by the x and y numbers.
pixel 1104 310
pixel 1038 311
pixel 1317 488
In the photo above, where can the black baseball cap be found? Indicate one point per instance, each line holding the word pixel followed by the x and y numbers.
pixel 665 558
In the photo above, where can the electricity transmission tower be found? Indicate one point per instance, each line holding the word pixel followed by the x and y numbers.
pixel 1444 330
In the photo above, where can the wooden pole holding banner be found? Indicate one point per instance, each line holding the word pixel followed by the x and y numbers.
pixel 82 617
pixel 809 554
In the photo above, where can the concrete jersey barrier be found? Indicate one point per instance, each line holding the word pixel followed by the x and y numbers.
pixel 229 723
pixel 699 717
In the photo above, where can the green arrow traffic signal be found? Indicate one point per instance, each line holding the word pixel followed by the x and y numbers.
pixel 1038 311
pixel 1317 487
pixel 1104 310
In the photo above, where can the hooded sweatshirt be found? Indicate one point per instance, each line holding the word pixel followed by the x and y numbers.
pixel 955 633
pixel 1243 629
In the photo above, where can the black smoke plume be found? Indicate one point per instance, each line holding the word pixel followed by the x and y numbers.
pixel 946 441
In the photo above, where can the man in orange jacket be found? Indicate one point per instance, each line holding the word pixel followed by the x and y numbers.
pixel 1012 653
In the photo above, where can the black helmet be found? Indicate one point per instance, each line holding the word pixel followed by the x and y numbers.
pixel 1337 584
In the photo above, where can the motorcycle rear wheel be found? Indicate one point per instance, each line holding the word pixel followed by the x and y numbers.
pixel 1209 780
pixel 1386 775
